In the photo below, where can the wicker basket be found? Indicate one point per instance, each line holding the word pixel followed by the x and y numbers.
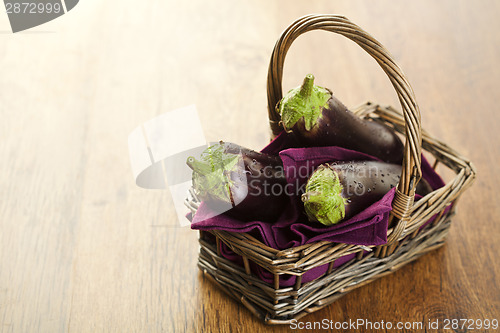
pixel 408 236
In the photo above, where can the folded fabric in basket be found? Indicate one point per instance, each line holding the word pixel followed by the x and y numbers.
pixel 369 227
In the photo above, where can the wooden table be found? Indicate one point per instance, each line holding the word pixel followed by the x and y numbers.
pixel 83 249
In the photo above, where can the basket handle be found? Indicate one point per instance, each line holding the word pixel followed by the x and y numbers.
pixel 411 171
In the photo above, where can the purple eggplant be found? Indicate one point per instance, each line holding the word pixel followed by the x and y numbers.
pixel 317 119
pixel 240 182
pixel 339 191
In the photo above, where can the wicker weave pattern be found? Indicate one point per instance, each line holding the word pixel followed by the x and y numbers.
pixel 408 238
pixel 280 306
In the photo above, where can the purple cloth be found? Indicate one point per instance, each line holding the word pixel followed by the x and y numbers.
pixel 369 227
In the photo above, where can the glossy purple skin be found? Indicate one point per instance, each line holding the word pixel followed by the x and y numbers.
pixel 251 187
pixel 337 126
pixel 364 183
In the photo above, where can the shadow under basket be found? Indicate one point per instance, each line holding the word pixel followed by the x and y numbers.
pixel 415 227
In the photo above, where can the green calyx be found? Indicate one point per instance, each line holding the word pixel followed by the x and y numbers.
pixel 306 101
pixel 323 200
pixel 211 173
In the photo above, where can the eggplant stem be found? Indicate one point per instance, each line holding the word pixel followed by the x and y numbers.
pixel 198 166
pixel 323 200
pixel 307 86
pixel 308 195
pixel 305 102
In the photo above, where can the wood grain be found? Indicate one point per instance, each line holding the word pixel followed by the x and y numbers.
pixel 83 249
